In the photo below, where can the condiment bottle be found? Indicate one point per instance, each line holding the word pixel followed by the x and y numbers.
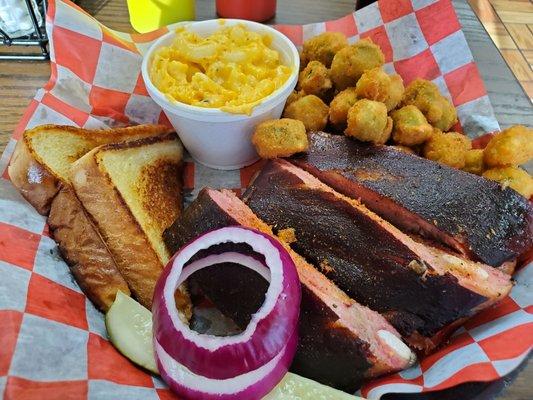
pixel 256 10
pixel 149 15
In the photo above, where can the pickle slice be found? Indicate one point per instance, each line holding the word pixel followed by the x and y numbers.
pixel 129 327
pixel 296 387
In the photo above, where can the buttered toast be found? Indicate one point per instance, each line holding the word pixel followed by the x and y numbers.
pixel 132 191
pixel 42 158
pixel 83 250
pixel 39 168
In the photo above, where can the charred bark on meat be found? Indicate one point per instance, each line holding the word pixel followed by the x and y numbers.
pixel 471 214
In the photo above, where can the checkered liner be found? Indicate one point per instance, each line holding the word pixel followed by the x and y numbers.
pixel 53 343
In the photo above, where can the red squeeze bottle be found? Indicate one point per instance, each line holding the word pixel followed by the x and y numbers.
pixel 257 10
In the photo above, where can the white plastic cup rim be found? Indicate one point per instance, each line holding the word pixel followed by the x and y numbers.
pixel 182 112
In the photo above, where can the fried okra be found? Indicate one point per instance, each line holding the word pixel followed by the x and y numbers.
pixel 437 109
pixel 351 62
pixel 410 127
pixel 339 106
pixel 447 148
pixel 323 47
pixel 311 110
pixel 474 162
pixel 314 79
pixel 513 177
pixel 395 92
pixel 280 138
pixel 376 84
pixel 295 95
pixel 368 122
pixel 513 146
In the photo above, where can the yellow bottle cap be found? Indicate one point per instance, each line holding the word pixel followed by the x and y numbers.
pixel 149 15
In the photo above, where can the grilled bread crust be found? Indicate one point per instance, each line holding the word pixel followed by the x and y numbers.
pixel 83 250
pixel 33 180
pixel 80 243
pixel 37 181
pixel 134 254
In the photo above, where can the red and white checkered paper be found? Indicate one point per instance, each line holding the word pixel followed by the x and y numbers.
pixel 53 343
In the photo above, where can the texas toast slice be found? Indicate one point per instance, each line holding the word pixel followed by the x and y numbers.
pixel 39 169
pixel 132 192
pixel 42 157
pixel 82 248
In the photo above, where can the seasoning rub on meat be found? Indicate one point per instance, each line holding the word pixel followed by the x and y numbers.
pixel 340 341
pixel 468 213
pixel 419 289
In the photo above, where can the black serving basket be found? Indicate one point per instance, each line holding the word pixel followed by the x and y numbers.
pixel 36 42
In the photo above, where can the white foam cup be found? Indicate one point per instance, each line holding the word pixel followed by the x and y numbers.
pixel 216 138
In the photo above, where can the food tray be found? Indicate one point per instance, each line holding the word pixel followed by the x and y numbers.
pixel 52 338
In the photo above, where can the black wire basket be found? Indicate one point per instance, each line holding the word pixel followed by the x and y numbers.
pixel 36 42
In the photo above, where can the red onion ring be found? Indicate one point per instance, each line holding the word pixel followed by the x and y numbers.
pixel 250 386
pixel 249 360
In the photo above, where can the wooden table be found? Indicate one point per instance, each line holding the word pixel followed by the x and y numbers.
pixel 20 80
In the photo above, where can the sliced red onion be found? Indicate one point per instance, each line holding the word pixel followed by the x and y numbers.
pixel 228 257
pixel 252 385
pixel 244 357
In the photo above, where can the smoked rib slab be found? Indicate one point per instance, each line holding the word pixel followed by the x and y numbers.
pixel 464 211
pixel 338 342
pixel 419 289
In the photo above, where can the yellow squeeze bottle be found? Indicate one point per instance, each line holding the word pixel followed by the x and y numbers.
pixel 149 15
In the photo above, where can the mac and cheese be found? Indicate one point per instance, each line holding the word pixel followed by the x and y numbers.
pixel 233 69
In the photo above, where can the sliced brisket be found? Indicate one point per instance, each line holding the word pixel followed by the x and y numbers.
pixel 472 215
pixel 340 341
pixel 418 288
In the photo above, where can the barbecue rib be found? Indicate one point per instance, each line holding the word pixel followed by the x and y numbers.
pixel 420 289
pixel 464 211
pixel 340 341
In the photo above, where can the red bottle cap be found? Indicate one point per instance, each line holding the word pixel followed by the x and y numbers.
pixel 256 10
